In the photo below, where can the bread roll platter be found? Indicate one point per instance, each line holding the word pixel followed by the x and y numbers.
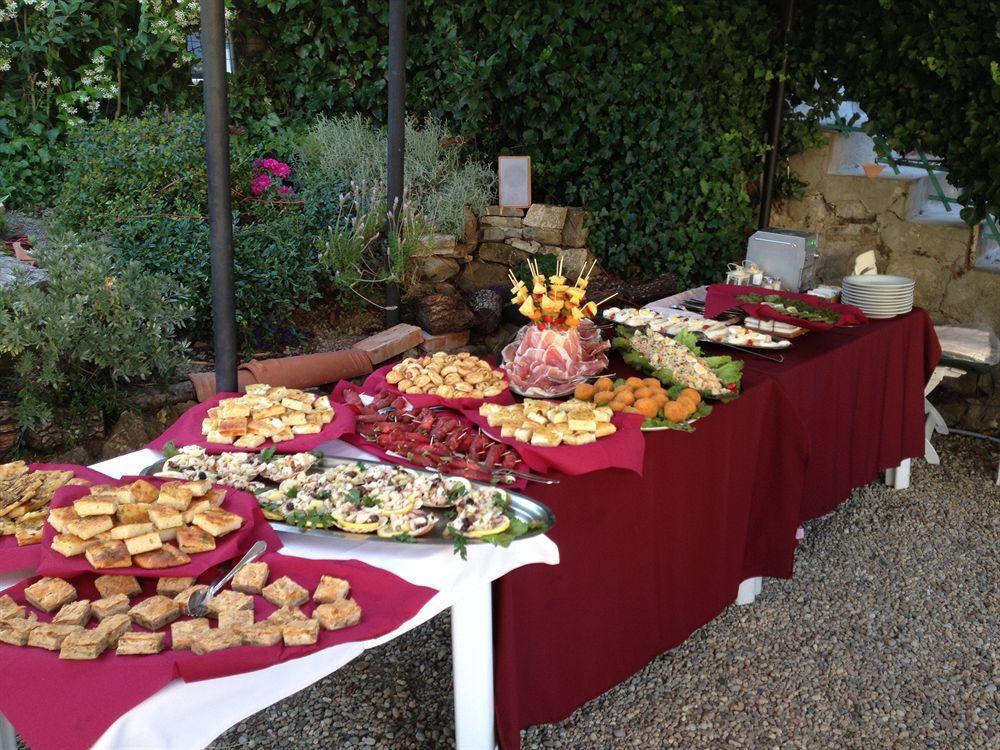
pixel 350 498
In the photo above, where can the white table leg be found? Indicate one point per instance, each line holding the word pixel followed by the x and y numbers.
pixel 749 590
pixel 472 665
pixel 8 738
pixel 899 478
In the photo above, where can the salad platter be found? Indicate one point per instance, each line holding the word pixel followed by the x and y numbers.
pixel 350 498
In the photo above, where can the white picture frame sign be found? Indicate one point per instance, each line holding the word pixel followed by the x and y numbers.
pixel 514 173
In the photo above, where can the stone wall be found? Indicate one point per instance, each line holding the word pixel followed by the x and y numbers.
pixel 855 214
pixel 500 239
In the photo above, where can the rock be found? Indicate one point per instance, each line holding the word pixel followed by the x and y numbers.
pixel 575 231
pixel 10 432
pixel 504 211
pixel 444 342
pixel 500 252
pixel 508 222
pixel 495 342
pixel 486 306
pixel 854 211
pixel 128 434
pixel 65 429
pixel 470 227
pixel 543 216
pixel 574 258
pixel 12 269
pixel 494 234
pixel 482 275
pixel 527 246
pixel 76 455
pixel 442 313
pixel 437 244
pixel 543 235
pixel 437 268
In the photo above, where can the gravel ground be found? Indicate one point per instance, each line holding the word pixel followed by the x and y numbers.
pixel 885 638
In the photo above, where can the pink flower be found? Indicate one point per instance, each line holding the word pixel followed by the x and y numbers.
pixel 260 183
pixel 285 190
pixel 280 169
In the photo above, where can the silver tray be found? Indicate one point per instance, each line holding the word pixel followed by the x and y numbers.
pixel 525 509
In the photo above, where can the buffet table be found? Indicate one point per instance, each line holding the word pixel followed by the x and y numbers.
pixel 192 714
pixel 645 561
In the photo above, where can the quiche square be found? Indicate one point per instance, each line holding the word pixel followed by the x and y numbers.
pixel 251 578
pixel 155 612
pixel 109 585
pixel 136 643
pixel 114 627
pixel 116 604
pixel 285 593
pixel 229 600
pixel 173 585
pixel 74 613
pixel 216 639
pixel 300 632
pixel 342 613
pixel 331 589
pixel 83 644
pixel 184 632
pixel 49 594
pixel 235 618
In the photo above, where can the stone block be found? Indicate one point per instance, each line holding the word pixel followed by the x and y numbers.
pixel 500 252
pixel 470 227
pixel 444 342
pixel 543 235
pixel 437 244
pixel 494 234
pixel 390 342
pixel 482 275
pixel 544 216
pixel 574 233
pixel 507 222
pixel 525 246
pixel 504 211
pixel 128 434
pixel 438 268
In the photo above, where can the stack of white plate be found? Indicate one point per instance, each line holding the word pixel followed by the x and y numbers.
pixel 879 295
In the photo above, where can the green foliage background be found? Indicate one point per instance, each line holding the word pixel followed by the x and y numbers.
pixel 650 114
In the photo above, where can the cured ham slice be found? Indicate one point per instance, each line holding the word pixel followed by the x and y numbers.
pixel 544 362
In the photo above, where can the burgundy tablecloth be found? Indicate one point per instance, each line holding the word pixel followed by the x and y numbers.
pixel 645 561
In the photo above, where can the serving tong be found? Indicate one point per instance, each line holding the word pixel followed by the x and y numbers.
pixel 197 605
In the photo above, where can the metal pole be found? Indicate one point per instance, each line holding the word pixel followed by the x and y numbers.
pixel 396 127
pixel 777 111
pixel 220 216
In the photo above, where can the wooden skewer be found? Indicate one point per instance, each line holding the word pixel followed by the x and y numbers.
pixel 613 294
pixel 592 266
pixel 559 264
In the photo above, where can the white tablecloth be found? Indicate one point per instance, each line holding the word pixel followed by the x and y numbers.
pixel 189 715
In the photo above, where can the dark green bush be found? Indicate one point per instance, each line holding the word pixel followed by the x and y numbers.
pixel 141 185
pixel 96 327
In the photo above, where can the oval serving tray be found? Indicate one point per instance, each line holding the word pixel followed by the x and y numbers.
pixel 530 511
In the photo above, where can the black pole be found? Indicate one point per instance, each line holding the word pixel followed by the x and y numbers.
pixel 777 112
pixel 220 217
pixel 396 127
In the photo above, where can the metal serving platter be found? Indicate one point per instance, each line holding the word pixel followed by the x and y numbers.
pixel 525 509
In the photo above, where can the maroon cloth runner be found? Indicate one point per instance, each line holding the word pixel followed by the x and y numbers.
pixel 645 561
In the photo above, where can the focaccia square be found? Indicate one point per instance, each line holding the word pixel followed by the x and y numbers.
pixel 167 556
pixel 175 495
pixel 59 517
pixel 131 514
pixel 184 633
pixel 215 496
pixel 15 631
pixel 49 594
pixel 331 589
pixel 10 608
pixel 168 535
pixel 342 613
pixel 286 614
pixel 74 613
pixel 116 604
pixel 235 618
pixel 135 643
pixel 155 612
pixel 87 528
pixel 250 441
pixel 285 593
pixel 263 633
pixel 229 600
pixel 69 545
pixel 49 636
pixel 110 554
pixel 217 522
pixel 252 578
pixel 198 487
pixel 96 505
pixel 196 507
pixel 83 644
pixel 173 585
pixel 114 627
pixel 165 517
pixel 192 540
pixel 109 585
pixel 136 545
pixel 130 530
pixel 143 491
pixel 216 639
pixel 300 632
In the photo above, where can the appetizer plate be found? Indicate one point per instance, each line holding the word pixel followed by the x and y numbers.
pixel 539 517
